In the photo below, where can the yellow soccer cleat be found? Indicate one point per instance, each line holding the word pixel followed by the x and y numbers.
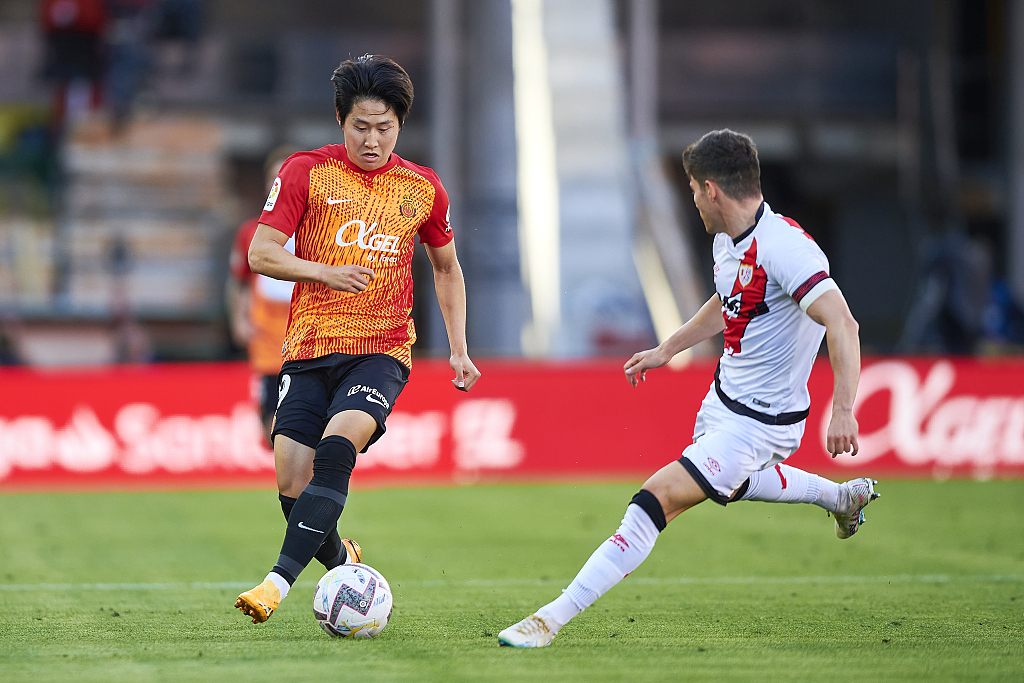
pixel 353 553
pixel 259 602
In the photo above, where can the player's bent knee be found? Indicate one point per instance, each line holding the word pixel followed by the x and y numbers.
pixel 293 463
pixel 650 504
pixel 675 489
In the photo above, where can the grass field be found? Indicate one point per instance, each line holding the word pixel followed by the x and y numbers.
pixel 932 588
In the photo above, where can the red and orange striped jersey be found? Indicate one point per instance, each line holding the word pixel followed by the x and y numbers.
pixel 340 214
pixel 269 304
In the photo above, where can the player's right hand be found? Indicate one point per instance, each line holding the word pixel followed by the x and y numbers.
pixel 348 278
pixel 841 435
pixel 636 367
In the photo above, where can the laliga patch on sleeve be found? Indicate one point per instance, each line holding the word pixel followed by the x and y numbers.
pixel 272 199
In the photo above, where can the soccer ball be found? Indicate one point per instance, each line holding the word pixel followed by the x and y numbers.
pixel 353 601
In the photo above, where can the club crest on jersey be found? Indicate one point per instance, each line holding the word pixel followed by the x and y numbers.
pixel 746 274
pixel 407 207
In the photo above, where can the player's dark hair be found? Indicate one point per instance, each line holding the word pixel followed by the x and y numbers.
pixel 729 159
pixel 372 77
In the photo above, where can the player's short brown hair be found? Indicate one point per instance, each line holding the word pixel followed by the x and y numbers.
pixel 372 77
pixel 728 158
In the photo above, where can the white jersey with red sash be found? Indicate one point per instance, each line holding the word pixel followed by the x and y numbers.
pixel 766 278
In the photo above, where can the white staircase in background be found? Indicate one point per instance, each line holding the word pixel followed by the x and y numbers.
pixel 602 304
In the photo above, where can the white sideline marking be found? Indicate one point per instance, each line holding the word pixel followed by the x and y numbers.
pixel 486 583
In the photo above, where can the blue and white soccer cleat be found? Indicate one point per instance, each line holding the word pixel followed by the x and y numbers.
pixel 532 631
pixel 862 492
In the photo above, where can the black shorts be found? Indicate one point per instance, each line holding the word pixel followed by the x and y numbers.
pixel 313 391
pixel 268 396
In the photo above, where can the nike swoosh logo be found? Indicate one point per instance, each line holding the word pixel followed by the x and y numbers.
pixel 309 528
pixel 371 399
pixel 337 201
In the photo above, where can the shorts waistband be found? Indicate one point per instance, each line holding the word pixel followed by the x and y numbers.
pixel 740 409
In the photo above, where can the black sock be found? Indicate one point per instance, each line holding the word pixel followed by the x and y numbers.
pixel 316 511
pixel 287 503
pixel 332 552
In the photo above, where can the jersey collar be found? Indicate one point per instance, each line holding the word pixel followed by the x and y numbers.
pixel 392 162
pixel 743 235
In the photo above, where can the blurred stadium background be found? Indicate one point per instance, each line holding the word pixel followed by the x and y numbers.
pixel 133 135
pixel 891 131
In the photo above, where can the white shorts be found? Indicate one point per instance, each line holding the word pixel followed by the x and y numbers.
pixel 727 448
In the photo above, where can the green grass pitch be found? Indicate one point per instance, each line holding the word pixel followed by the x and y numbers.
pixel 932 588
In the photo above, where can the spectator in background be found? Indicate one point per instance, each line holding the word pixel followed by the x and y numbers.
pixel 258 305
pixel 10 341
pixel 178 27
pixel 129 54
pixel 73 31
pixel 948 313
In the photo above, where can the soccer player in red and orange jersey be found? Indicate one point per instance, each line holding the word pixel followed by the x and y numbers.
pixel 258 306
pixel 354 211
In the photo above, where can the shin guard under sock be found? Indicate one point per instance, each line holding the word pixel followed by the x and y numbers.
pixel 316 511
pixel 615 559
pixel 331 552
pixel 785 484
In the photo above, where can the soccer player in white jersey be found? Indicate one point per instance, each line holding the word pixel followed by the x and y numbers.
pixel 774 301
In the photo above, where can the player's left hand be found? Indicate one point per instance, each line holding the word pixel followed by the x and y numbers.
pixel 466 373
pixel 842 433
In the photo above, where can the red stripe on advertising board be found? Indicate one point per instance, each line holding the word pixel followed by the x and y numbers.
pixel 195 425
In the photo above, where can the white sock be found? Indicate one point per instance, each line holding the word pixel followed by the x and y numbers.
pixel 279 581
pixel 613 560
pixel 785 484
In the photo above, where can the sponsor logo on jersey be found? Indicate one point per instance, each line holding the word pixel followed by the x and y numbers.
pixel 746 301
pixel 372 395
pixel 365 238
pixel 731 305
pixel 274 192
pixel 337 201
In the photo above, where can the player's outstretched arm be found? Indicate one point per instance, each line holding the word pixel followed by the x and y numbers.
pixel 842 334
pixel 451 297
pixel 268 256
pixel 706 323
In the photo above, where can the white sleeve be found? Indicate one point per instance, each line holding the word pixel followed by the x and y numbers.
pixel 800 268
pixel 826 285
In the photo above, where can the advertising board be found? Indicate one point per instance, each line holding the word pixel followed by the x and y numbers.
pixel 196 425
